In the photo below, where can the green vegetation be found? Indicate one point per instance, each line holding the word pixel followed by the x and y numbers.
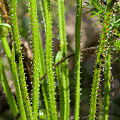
pixel 44 68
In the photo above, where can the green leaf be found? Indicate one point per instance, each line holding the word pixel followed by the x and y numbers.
pixel 77 57
pixel 18 52
pixel 7 90
pixel 59 57
pixel 63 47
pixel 49 60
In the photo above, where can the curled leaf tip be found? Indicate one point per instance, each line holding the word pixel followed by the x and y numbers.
pixel 4 29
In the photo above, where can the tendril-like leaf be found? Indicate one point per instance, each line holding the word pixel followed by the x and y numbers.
pixel 4 29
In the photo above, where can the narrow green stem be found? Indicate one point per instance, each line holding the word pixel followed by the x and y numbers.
pixel 77 56
pixel 38 55
pixel 59 57
pixel 18 53
pixel 100 54
pixel 7 90
pixel 14 74
pixel 42 8
pixel 107 84
pixel 63 47
pixel 17 86
pixel 38 59
pixel 49 60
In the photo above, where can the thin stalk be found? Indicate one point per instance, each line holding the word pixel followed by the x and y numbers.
pixel 38 56
pixel 12 64
pixel 49 60
pixel 17 86
pixel 18 53
pixel 77 56
pixel 100 106
pixel 42 8
pixel 59 57
pixel 107 85
pixel 100 54
pixel 63 47
pixel 4 32
pixel 7 90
